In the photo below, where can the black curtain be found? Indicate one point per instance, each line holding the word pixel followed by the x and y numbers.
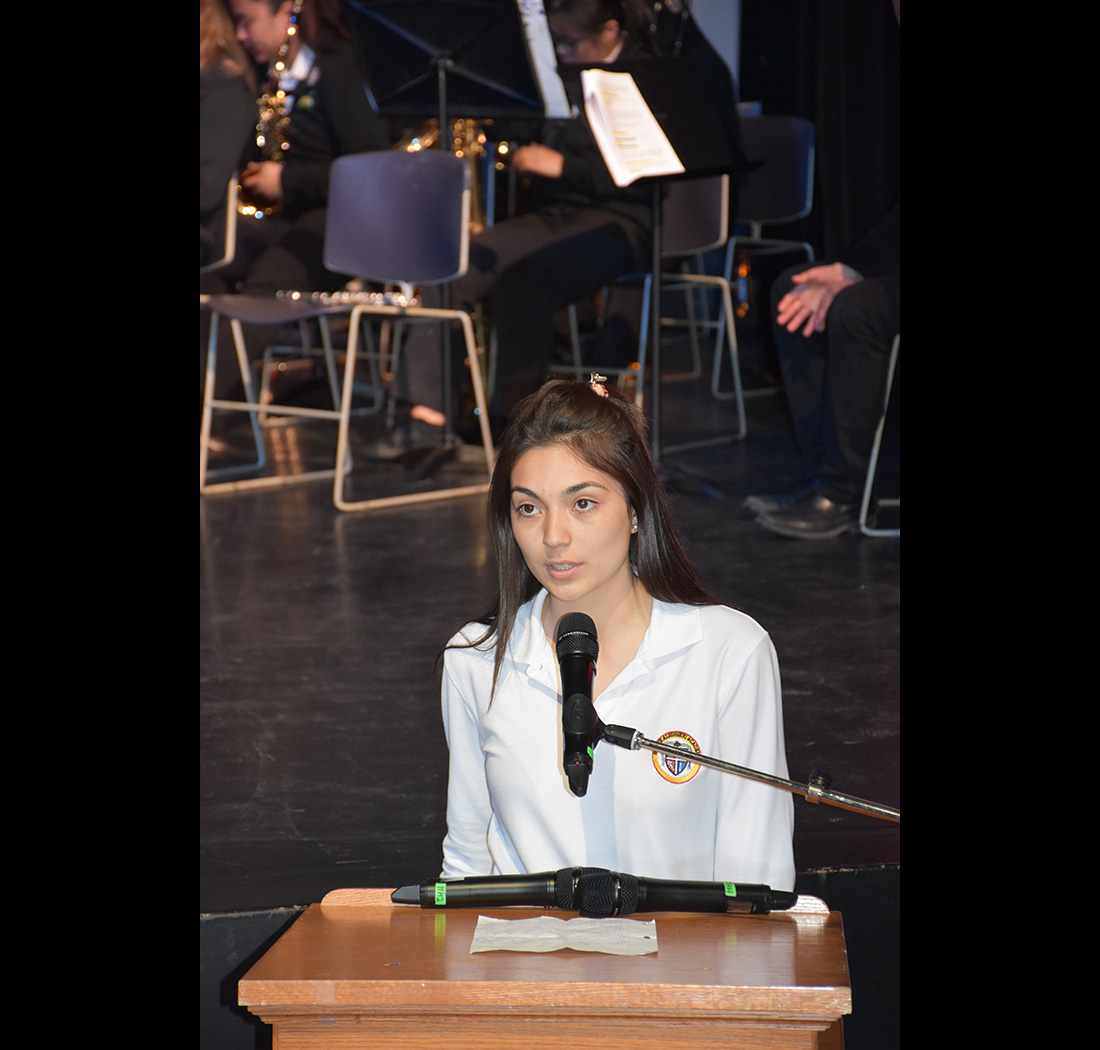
pixel 837 63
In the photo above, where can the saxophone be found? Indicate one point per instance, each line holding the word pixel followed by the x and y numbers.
pixel 272 123
pixel 468 141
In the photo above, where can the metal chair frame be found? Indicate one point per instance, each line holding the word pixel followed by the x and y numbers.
pixel 258 406
pixel 327 354
pixel 683 242
pixel 876 446
pixel 770 199
pixel 229 247
pixel 414 242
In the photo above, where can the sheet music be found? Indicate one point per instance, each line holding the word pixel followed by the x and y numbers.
pixel 541 47
pixel 630 139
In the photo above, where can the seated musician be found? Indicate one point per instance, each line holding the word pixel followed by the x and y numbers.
pixel 580 232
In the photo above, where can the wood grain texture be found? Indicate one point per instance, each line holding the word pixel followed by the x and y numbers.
pixel 356 970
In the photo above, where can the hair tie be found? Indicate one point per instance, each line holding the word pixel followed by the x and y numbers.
pixel 596 382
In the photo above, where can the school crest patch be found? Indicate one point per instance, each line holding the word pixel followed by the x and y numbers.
pixel 677 770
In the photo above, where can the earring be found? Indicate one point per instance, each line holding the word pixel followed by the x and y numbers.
pixel 633 525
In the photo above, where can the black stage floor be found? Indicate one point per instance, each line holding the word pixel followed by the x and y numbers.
pixel 323 762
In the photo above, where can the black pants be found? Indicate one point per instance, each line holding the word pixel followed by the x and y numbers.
pixel 526 268
pixel 835 380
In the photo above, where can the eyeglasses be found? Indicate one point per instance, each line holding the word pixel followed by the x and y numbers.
pixel 564 48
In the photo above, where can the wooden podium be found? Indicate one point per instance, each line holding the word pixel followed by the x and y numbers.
pixel 358 971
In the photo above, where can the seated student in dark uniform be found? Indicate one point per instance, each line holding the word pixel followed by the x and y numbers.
pixel 580 232
pixel 304 49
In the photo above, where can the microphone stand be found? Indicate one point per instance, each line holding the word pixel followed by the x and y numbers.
pixel 817 790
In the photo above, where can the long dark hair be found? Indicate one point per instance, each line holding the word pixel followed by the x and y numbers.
pixel 588 17
pixel 607 432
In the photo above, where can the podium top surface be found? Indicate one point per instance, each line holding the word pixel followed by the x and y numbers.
pixel 357 949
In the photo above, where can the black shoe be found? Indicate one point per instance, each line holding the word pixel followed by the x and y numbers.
pixel 425 461
pixel 406 442
pixel 814 517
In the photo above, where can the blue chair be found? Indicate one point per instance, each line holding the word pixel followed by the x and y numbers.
pixel 394 218
pixel 779 192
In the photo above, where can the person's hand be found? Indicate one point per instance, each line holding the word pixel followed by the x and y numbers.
pixel 263 178
pixel 535 159
pixel 806 305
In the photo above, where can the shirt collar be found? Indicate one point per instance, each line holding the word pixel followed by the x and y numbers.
pixel 529 648
pixel 672 628
pixel 299 69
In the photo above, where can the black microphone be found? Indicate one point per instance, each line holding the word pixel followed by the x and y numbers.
pixel 548 889
pixel 577 650
pixel 596 893
pixel 614 893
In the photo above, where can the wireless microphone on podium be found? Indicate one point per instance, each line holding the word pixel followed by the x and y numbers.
pixel 577 650
pixel 596 892
pixel 548 889
pixel 615 893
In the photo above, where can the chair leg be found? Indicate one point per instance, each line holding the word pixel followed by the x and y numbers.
pixel 372 356
pixel 693 329
pixel 270 418
pixel 735 359
pixel 729 330
pixel 253 407
pixel 208 404
pixel 342 442
pixel 726 330
pixel 737 394
pixel 705 323
pixel 876 445
pixel 330 360
pixel 756 245
pixel 720 335
pixel 643 341
pixel 304 352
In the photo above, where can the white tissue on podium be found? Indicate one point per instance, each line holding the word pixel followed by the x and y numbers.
pixel 547 934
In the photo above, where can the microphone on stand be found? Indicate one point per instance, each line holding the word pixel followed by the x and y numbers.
pixel 597 893
pixel 577 649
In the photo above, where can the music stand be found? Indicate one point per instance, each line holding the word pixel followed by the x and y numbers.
pixel 421 58
pixel 425 58
pixel 684 108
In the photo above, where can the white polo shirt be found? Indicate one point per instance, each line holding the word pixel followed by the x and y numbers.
pixel 705 677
